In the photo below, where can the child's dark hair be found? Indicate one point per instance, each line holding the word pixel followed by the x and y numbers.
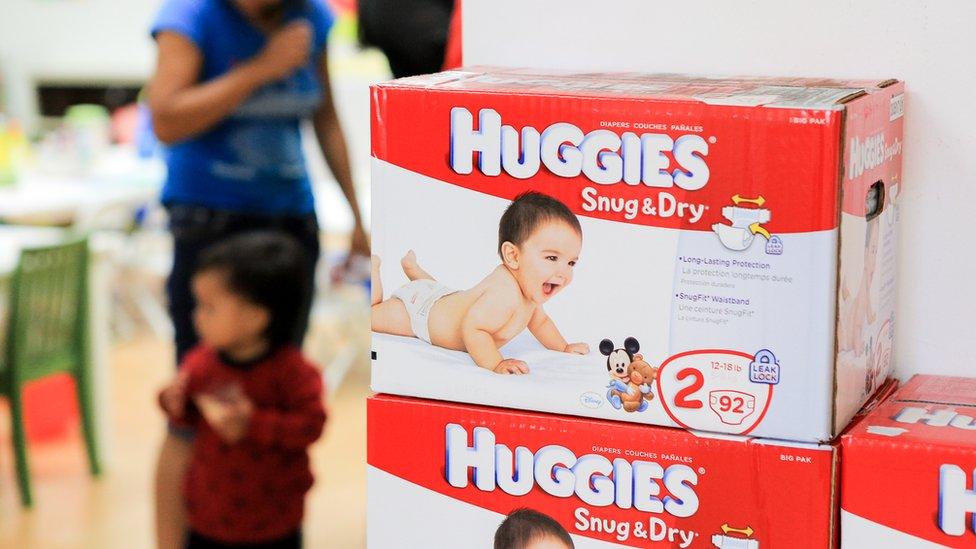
pixel 526 212
pixel 268 269
pixel 523 526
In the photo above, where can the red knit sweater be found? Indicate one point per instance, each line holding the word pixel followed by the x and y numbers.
pixel 253 490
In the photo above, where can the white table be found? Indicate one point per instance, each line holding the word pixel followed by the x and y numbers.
pixel 120 181
pixel 12 240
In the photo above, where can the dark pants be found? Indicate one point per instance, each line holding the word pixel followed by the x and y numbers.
pixel 196 541
pixel 411 33
pixel 195 228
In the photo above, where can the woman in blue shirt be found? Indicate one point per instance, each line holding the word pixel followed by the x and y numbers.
pixel 234 80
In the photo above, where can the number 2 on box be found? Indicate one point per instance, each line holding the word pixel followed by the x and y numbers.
pixel 681 399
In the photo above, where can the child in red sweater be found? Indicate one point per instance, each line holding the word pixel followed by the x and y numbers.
pixel 253 400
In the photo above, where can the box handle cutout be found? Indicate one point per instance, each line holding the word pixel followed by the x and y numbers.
pixel 874 201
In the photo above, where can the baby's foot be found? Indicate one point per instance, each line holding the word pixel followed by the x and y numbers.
pixel 412 269
pixel 409 261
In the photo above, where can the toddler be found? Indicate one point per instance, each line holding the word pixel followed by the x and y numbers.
pixel 253 400
pixel 539 242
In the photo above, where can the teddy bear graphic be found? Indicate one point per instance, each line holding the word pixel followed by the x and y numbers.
pixel 630 376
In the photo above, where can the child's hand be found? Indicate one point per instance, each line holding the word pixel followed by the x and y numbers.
pixel 173 396
pixel 228 412
pixel 511 366
pixel 577 348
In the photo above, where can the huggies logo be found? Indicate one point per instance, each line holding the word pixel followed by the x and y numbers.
pixel 556 470
pixel 870 154
pixel 601 155
pixel 939 418
pixel 955 500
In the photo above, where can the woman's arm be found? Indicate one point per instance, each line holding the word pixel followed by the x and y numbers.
pixel 182 107
pixel 329 134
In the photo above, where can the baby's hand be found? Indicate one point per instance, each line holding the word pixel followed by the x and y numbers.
pixel 511 366
pixel 577 348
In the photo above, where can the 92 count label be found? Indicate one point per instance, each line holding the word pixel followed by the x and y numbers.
pixel 714 390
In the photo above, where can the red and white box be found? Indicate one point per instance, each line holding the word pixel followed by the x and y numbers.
pixel 446 475
pixel 909 469
pixel 738 234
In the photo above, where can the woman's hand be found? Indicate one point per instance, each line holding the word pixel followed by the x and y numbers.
pixel 359 245
pixel 286 50
pixel 183 107
pixel 355 264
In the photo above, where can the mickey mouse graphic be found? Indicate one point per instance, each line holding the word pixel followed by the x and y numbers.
pixel 630 376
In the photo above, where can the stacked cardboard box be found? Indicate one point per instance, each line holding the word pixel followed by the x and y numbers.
pixel 908 468
pixel 723 248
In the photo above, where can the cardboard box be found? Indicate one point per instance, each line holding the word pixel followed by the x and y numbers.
pixel 738 234
pixel 441 475
pixel 909 466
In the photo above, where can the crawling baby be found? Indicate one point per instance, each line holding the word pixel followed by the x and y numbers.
pixel 539 242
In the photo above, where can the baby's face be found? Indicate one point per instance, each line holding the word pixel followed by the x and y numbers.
pixel 547 259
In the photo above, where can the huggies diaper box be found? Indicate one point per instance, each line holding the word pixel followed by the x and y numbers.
pixel 712 254
pixel 467 477
pixel 909 469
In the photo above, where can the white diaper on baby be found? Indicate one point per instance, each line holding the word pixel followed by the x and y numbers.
pixel 419 297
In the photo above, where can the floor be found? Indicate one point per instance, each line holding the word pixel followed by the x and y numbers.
pixel 72 510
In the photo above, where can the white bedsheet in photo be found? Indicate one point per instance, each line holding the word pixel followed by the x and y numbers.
pixel 556 382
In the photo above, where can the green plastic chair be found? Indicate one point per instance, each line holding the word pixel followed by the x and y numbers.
pixel 47 333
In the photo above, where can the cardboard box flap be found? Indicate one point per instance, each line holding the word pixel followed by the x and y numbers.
pixel 808 93
pixel 950 391
pixel 784 97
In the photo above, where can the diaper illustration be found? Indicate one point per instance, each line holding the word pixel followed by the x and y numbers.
pixel 732 407
pixel 746 224
pixel 725 541
pixel 728 542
